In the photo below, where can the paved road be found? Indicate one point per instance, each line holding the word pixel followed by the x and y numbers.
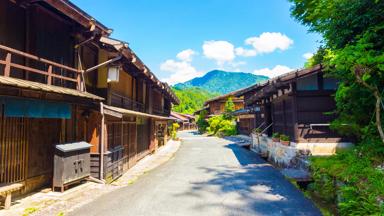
pixel 208 176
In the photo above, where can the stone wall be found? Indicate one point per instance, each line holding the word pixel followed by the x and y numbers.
pixel 290 156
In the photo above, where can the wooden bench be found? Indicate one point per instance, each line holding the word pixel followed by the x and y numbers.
pixel 6 192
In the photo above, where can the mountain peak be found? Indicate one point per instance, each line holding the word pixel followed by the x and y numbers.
pixel 222 82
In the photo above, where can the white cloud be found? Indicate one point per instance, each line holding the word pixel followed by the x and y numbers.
pixel 220 51
pixel 186 55
pixel 240 51
pixel 268 42
pixel 274 72
pixel 307 55
pixel 181 71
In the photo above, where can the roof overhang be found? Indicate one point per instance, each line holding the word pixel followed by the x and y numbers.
pixel 123 48
pixel 120 112
pixel 25 84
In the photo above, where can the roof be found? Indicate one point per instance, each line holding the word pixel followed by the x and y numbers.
pixel 282 78
pixel 187 116
pixel 10 81
pixel 77 14
pixel 241 112
pixel 199 110
pixel 221 97
pixel 124 49
pixel 179 116
pixel 131 112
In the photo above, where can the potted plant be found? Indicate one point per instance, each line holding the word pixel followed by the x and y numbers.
pixel 284 139
pixel 276 137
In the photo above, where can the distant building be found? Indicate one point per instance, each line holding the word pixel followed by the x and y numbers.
pixel 186 121
pixel 216 105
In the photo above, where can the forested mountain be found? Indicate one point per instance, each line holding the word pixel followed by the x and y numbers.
pixel 191 99
pixel 222 82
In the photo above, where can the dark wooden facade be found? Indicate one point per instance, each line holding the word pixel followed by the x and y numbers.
pixel 297 104
pixel 216 106
pixel 46 48
pixel 138 105
pixel 39 76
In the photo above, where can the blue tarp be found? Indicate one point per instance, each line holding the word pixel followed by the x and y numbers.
pixel 15 107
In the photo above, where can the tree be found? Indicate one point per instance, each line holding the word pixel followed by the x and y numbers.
pixel 352 32
pixel 229 109
pixel 201 122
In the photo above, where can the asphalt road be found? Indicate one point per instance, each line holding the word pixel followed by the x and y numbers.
pixel 208 176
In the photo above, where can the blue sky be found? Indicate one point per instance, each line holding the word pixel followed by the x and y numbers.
pixel 180 39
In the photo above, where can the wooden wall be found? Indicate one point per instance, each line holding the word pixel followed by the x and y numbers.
pixel 311 109
pixel 282 116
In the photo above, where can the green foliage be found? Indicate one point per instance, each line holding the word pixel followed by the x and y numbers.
pixel 191 99
pixel 222 82
pixel 284 137
pixel 173 130
pixel 352 32
pixel 201 122
pixel 229 109
pixel 276 135
pixel 353 39
pixel 220 126
pixel 354 179
pixel 317 58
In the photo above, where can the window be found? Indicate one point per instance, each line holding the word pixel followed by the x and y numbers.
pixel 308 83
pixel 330 83
pixel 114 135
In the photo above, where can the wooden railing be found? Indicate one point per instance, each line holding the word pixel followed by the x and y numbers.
pixel 68 74
pixel 125 102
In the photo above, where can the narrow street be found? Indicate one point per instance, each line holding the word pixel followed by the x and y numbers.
pixel 207 176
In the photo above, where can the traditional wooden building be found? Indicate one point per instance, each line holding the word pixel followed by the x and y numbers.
pixel 43 95
pixel 136 111
pixel 62 80
pixel 216 105
pixel 185 121
pixel 298 104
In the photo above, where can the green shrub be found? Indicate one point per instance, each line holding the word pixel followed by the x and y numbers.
pixel 284 137
pixel 276 135
pixel 201 122
pixel 353 179
pixel 173 130
pixel 220 126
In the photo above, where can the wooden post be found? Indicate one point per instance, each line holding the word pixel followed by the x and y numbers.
pixel 7 68
pixel 49 78
pixel 79 87
pixel 7 202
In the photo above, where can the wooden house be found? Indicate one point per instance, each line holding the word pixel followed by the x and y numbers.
pixel 216 105
pixel 42 90
pixel 185 121
pixel 63 80
pixel 298 104
pixel 135 113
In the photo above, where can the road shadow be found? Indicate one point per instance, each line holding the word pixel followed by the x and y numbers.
pixel 254 187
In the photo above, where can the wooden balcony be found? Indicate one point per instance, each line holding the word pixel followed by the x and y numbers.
pixel 125 102
pixel 36 69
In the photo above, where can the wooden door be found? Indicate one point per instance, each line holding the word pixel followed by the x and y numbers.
pixel 13 149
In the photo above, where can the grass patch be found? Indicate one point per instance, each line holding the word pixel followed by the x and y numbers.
pixel 29 211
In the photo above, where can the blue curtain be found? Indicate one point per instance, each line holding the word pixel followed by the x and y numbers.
pixel 15 107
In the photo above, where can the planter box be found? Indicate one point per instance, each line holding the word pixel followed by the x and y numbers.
pixel 286 143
